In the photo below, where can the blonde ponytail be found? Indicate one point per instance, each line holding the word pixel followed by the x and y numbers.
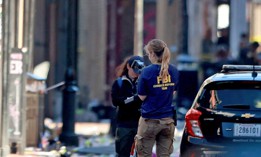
pixel 162 53
pixel 164 71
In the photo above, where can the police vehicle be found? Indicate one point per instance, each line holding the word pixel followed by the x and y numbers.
pixel 225 117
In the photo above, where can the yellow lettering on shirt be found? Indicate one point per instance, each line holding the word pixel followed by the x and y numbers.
pixel 163 83
pixel 166 80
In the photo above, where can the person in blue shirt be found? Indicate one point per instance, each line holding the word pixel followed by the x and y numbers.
pixel 156 86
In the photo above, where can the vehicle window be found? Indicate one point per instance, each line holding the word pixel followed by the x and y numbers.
pixel 239 98
pixel 236 96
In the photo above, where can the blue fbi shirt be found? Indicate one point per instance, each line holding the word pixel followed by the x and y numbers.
pixel 158 103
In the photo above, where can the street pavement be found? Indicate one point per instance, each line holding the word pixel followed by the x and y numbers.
pixel 95 141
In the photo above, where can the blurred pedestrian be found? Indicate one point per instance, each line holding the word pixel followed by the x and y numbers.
pixel 207 46
pixel 244 41
pixel 252 54
pixel 125 98
pixel 156 86
pixel 223 39
pixel 243 48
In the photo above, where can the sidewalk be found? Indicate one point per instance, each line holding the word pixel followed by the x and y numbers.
pixel 107 148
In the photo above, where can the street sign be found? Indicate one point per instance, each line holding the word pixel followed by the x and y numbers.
pixel 16 63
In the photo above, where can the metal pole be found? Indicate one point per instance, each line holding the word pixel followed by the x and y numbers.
pixel 138 28
pixel 68 137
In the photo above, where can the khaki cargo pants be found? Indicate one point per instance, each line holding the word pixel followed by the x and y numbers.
pixel 150 131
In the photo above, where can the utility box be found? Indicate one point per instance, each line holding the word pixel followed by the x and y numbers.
pixel 34 109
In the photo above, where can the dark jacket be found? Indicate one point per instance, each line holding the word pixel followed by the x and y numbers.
pixel 127 114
